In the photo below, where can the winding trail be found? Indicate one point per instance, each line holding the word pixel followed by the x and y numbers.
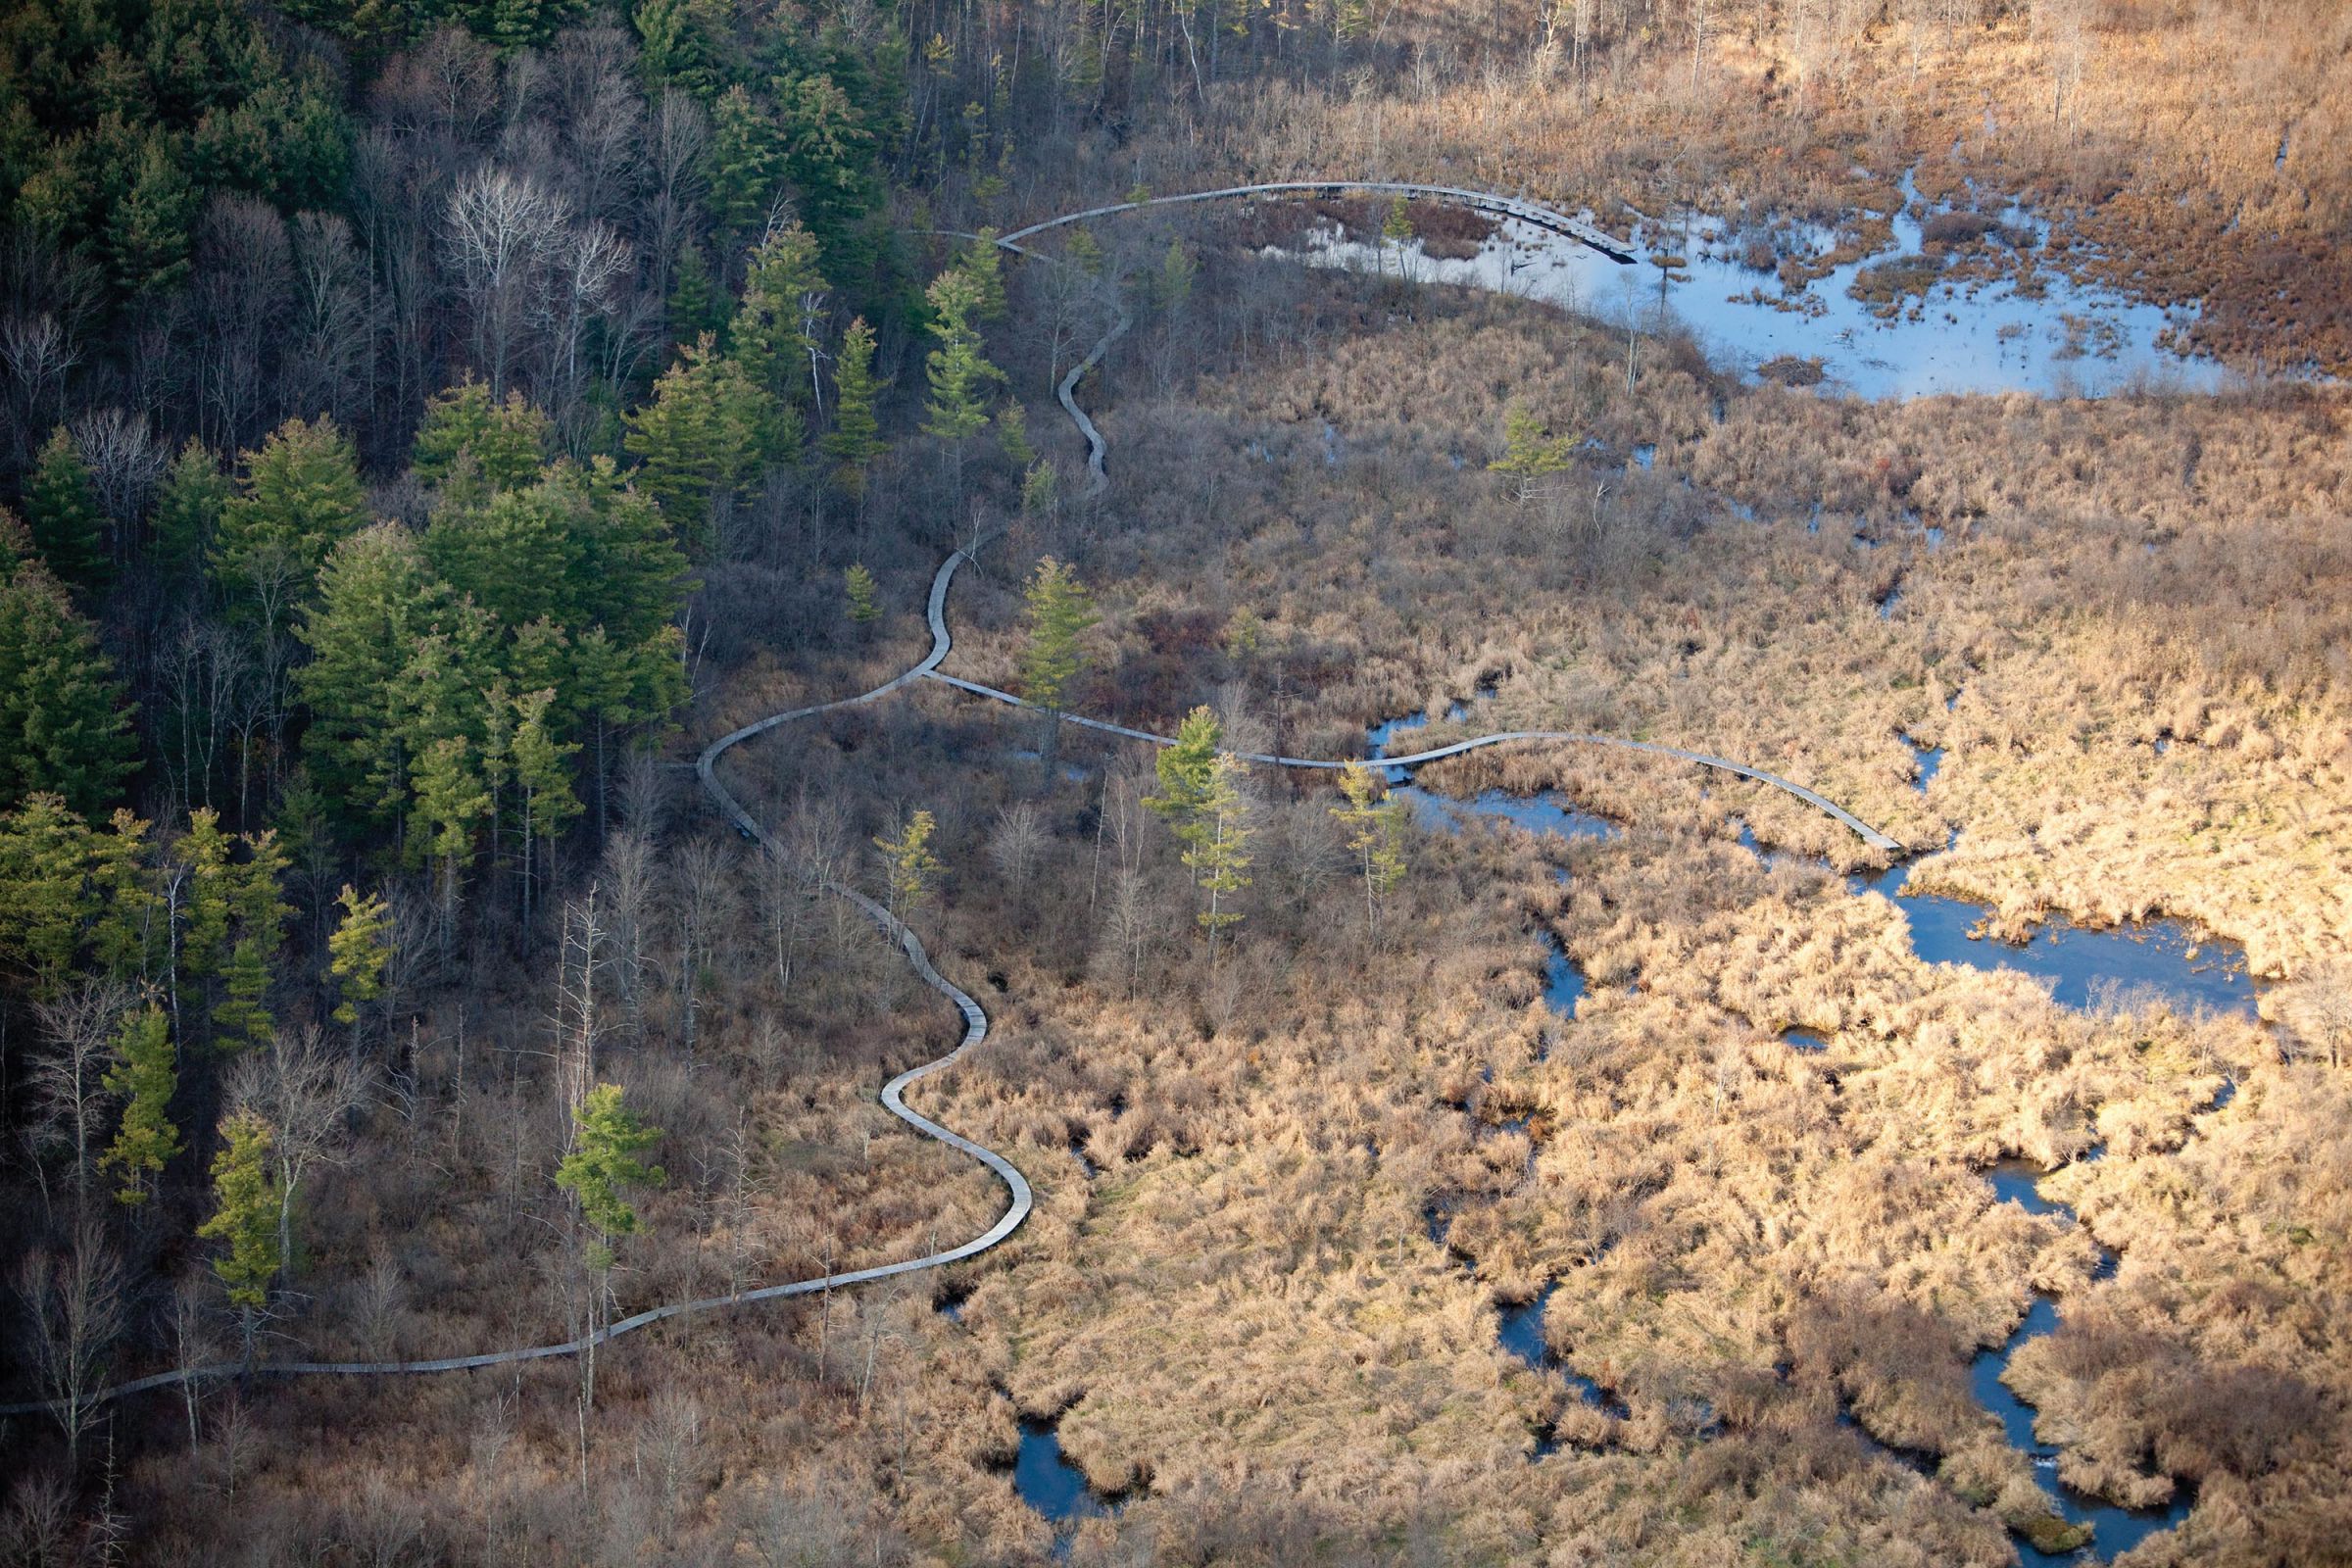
pixel 975 1030
pixel 1482 201
pixel 975 1017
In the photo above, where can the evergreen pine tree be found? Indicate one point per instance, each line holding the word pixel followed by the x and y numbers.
pixel 1059 614
pixel 244 1019
pixel 507 442
pixel 908 864
pixel 301 497
pixel 357 954
pixel 859 582
pixel 145 1074
pixel 15 545
pixel 607 1140
pixel 1040 490
pixel 65 725
pixel 245 1217
pixel 958 372
pixel 1012 435
pixel 695 298
pixel 982 263
pixel 60 503
pixel 855 440
pixel 207 904
pixel 128 939
pixel 745 166
pixel 1177 270
pixel 1376 833
pixel 189 507
pixel 1529 455
pixel 1396 233
pixel 777 332
pixel 451 798
pixel 706 432
pixel 1184 770
pixel 46 896
pixel 378 603
pixel 1219 854
pixel 148 229
pixel 543 781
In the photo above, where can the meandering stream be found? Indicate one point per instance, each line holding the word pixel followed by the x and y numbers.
pixel 2166 958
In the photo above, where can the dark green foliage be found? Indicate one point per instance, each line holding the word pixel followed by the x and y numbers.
pixel 383 638
pixel 468 442
pixel 244 1213
pixel 604 1161
pixel 302 495
pixel 707 431
pixel 745 167
pixel 69 529
pixel 777 334
pixel 187 509
pixel 145 1073
pixel 64 724
pixel 855 439
pixel 566 586
pixel 829 156
pixel 688 44
pixel 15 544
pixel 117 121
pixel 694 299
pixel 45 896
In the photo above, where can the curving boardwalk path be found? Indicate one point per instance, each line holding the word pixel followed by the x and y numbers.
pixel 1482 201
pixel 976 1018
pixel 975 1030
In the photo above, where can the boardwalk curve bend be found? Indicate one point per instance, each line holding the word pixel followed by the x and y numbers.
pixel 1021 1198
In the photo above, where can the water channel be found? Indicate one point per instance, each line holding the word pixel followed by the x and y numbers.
pixel 2161 958
pixel 2164 959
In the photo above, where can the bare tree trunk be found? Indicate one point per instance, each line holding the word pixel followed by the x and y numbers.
pixel 74 1305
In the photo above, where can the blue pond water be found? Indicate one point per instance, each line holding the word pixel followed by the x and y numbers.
pixel 1522 1335
pixel 2163 957
pixel 1546 812
pixel 1925 760
pixel 1049 1483
pixel 1563 981
pixel 2114 1529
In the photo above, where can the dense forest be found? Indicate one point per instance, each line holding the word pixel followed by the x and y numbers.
pixel 424 425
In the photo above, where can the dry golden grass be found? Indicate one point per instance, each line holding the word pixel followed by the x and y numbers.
pixel 2167 162
pixel 1243 1314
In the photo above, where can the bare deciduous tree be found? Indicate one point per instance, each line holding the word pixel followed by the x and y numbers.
pixel 501 227
pixel 188 1327
pixel 124 459
pixel 68 1099
pixel 73 1312
pixel 303 1089
pixel 586 264
pixel 333 329
pixel 702 898
pixel 243 287
pixel 628 882
pixel 675 144
pixel 1015 845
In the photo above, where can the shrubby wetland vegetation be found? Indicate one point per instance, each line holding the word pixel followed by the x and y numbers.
pixel 432 429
